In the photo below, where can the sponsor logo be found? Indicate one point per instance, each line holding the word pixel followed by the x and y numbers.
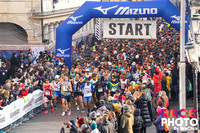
pixel 128 11
pixel 15 113
pixel 136 11
pixel 177 19
pixel 105 10
pixel 73 21
pixel 62 53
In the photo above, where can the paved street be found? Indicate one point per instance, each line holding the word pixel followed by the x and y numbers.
pixel 51 123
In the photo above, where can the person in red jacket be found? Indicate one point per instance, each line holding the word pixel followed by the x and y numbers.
pixel 157 78
pixel 23 91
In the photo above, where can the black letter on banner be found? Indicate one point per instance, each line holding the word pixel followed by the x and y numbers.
pixel 147 28
pixel 138 28
pixel 111 25
pixel 121 28
pixel 129 29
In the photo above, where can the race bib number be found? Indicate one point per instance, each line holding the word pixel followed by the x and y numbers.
pixel 100 90
pixel 65 89
pixel 93 86
pixel 88 91
pixel 47 92
pixel 114 88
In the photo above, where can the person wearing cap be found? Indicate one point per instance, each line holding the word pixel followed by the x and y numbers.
pixel 57 92
pixel 72 127
pixel 94 128
pixel 87 89
pixel 121 98
pixel 87 74
pixel 85 128
pixel 94 82
pixel 129 96
pixel 66 89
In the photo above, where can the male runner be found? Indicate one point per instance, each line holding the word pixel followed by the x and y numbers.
pixel 47 90
pixel 87 89
pixel 57 92
pixel 66 89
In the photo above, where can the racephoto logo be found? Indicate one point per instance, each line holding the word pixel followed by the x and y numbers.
pixel 105 10
pixel 74 20
pixel 177 19
pixel 62 53
pixel 127 10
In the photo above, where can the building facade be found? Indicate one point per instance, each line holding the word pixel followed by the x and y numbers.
pixel 26 23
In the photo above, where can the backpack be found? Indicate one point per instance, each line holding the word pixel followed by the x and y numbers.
pixel 148 94
pixel 138 122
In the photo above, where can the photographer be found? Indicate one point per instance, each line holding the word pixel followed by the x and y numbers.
pixel 72 127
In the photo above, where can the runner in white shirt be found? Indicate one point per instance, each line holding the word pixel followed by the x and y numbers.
pixel 57 93
pixel 87 90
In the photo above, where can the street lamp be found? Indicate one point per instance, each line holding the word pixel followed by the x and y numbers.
pixel 196 27
pixel 192 55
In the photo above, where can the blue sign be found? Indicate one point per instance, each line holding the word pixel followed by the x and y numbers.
pixel 89 10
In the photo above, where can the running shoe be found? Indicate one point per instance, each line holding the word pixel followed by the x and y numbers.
pixel 82 111
pixel 77 108
pixel 63 114
pixel 55 108
pixel 45 112
pixel 69 112
pixel 52 110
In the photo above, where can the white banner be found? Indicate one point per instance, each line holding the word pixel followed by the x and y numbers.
pixel 36 51
pixel 19 108
pixel 129 29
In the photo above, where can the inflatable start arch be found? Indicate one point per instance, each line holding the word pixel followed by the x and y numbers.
pixel 89 10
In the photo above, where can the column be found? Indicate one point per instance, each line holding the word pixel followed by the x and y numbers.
pixel 45 32
pixel 51 33
pixel 55 26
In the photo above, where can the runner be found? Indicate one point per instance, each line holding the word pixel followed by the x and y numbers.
pixel 87 89
pixel 75 82
pixel 100 90
pixel 48 88
pixel 124 84
pixel 80 95
pixel 66 90
pixel 57 92
pixel 94 81
pixel 113 86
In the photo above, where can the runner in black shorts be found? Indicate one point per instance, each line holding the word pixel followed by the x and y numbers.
pixel 80 94
pixel 48 88
pixel 66 89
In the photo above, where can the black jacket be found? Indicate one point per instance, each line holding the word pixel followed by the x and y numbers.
pixel 4 75
pixel 141 103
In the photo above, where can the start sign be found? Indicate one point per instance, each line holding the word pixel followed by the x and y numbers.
pixel 129 29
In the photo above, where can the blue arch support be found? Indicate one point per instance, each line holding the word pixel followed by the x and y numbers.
pixel 89 10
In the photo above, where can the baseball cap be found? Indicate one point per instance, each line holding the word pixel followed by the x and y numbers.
pixel 118 91
pixel 128 93
pixel 57 76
